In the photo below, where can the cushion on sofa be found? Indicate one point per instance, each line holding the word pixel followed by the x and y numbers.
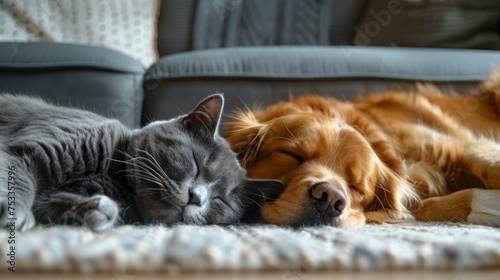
pixel 127 26
pixel 267 74
pixel 94 78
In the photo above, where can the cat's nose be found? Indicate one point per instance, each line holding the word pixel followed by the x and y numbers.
pixel 194 198
pixel 328 199
pixel 198 195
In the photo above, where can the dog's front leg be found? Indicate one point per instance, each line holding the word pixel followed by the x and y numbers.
pixel 480 159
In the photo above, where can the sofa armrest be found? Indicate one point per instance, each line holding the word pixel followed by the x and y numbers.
pixel 93 78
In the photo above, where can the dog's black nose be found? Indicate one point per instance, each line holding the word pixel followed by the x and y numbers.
pixel 328 199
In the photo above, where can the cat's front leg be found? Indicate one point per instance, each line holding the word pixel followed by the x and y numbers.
pixel 98 212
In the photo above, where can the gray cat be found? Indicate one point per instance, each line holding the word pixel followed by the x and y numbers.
pixel 67 166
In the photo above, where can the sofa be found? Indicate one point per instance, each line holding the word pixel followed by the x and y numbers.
pixel 260 51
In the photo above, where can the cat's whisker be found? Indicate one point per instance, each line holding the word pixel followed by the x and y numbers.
pixel 173 198
pixel 141 166
pixel 145 173
pixel 125 154
pixel 153 166
pixel 155 189
pixel 117 160
pixel 142 172
pixel 143 178
pixel 129 161
pixel 253 193
pixel 156 165
pixel 167 181
pixel 140 163
pixel 164 192
pixel 254 202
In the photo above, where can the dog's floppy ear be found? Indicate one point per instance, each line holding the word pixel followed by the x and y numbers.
pixel 391 195
pixel 392 191
pixel 244 134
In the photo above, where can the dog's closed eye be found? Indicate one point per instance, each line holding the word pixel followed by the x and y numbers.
pixel 294 155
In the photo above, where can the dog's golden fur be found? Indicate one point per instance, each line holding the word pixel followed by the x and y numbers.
pixel 394 156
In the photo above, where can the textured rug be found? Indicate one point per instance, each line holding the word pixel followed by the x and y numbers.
pixel 423 246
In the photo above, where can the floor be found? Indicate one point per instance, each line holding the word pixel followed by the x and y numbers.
pixel 374 275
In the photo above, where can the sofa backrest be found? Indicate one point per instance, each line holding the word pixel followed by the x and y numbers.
pixel 223 23
pixel 175 23
pixel 202 24
pixel 462 24
pixel 199 24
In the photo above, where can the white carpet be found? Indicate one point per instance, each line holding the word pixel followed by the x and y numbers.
pixel 253 248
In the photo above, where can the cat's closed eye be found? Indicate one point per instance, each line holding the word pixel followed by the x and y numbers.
pixel 223 202
pixel 196 166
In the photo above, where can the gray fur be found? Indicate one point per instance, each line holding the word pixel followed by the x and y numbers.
pixel 75 167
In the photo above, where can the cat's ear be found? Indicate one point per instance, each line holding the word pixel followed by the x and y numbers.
pixel 257 192
pixel 206 116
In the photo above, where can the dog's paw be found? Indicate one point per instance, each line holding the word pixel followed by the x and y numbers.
pixel 454 207
pixel 99 213
pixel 15 216
pixel 475 206
pixel 485 208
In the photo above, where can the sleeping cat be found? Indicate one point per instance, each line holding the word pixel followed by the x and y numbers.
pixel 67 166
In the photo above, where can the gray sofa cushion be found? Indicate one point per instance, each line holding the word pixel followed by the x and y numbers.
pixel 327 63
pixel 97 79
pixel 267 74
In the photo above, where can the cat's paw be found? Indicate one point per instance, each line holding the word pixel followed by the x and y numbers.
pixel 15 217
pixel 99 213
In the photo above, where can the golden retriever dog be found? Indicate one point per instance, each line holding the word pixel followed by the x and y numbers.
pixel 387 157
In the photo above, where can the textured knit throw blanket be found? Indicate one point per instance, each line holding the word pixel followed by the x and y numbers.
pixel 253 248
